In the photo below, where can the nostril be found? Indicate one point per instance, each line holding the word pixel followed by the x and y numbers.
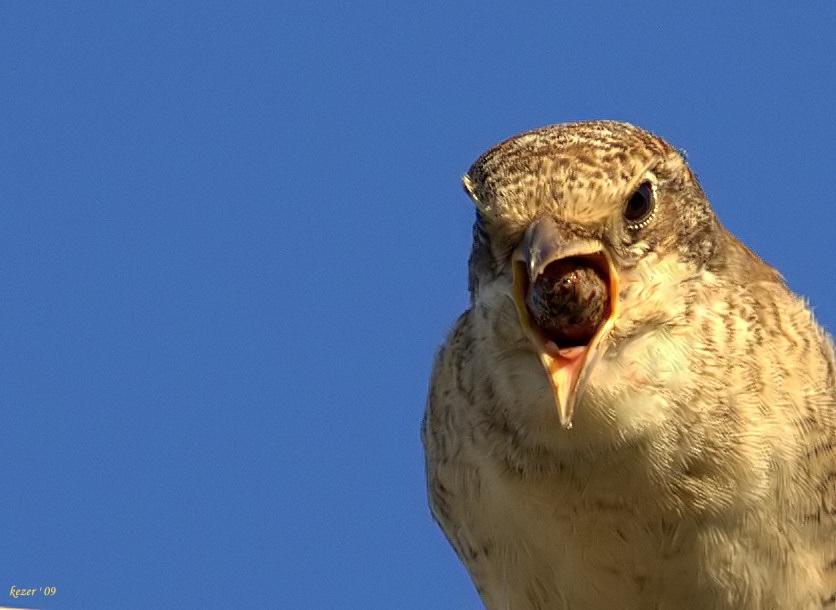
pixel 569 300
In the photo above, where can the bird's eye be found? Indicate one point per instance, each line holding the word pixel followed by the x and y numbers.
pixel 639 209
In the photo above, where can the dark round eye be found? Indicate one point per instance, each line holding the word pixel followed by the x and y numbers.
pixel 639 208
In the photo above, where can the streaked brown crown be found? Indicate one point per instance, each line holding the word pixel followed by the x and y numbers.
pixel 588 157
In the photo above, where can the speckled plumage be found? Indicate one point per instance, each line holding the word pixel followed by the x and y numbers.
pixel 700 469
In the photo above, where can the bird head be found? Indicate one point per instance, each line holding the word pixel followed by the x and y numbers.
pixel 590 231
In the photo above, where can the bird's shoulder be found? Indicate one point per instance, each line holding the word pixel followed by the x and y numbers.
pixel 802 353
pixel 742 265
pixel 453 477
pixel 449 398
pixel 448 381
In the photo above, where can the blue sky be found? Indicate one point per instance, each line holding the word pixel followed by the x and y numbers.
pixel 233 235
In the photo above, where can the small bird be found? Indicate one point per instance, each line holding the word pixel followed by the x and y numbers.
pixel 635 412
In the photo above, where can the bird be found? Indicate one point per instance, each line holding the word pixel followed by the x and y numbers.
pixel 634 411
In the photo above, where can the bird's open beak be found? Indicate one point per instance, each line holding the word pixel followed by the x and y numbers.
pixel 567 365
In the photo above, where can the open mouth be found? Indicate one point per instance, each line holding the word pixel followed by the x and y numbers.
pixel 566 304
pixel 569 300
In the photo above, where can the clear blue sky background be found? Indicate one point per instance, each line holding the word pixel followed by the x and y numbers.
pixel 232 236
